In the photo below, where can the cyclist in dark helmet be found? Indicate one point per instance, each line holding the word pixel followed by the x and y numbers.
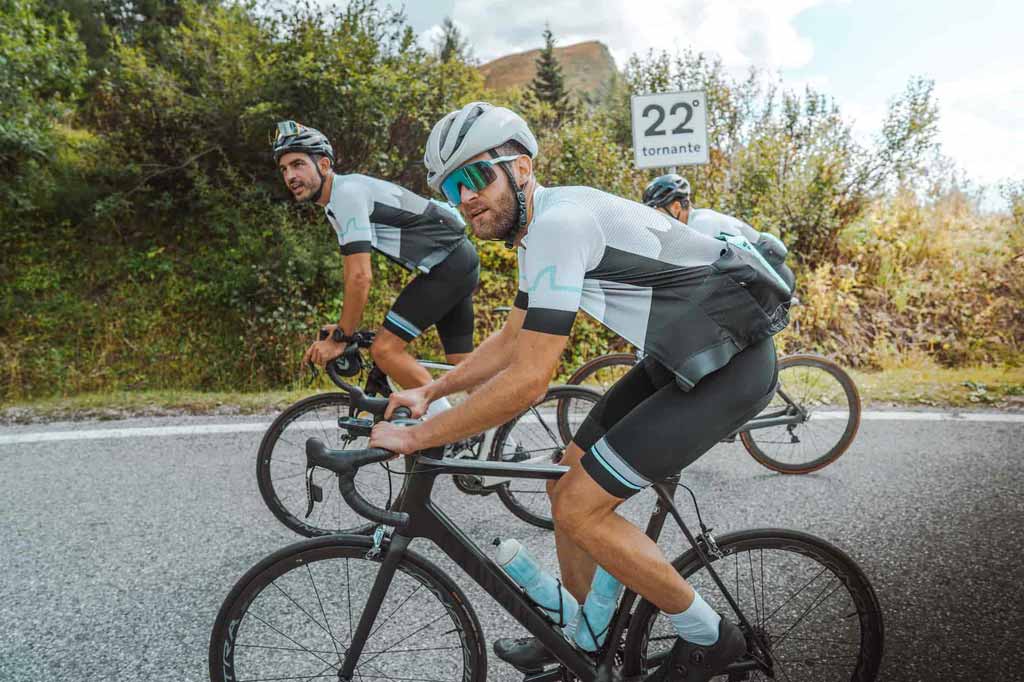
pixel 424 236
pixel 671 194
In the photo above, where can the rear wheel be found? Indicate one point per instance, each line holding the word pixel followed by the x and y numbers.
pixel 825 402
pixel 281 468
pixel 292 617
pixel 540 433
pixel 806 599
pixel 603 371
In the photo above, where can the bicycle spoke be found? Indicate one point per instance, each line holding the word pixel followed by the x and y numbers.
pixel 405 637
pixel 304 611
pixel 298 644
pixel 792 596
pixel 327 622
pixel 393 612
pixel 814 604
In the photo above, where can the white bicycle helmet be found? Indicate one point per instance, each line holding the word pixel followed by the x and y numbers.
pixel 476 128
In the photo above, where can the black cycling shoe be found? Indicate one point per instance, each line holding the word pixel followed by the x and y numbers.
pixel 690 662
pixel 526 654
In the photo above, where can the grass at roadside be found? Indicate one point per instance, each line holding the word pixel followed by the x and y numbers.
pixel 921 385
pixel 931 386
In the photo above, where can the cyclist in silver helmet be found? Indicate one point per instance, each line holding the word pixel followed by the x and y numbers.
pixel 702 311
pixel 424 236
pixel 671 193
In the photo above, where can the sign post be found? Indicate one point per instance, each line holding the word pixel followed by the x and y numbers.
pixel 670 129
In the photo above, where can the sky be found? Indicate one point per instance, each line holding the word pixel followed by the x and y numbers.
pixel 860 52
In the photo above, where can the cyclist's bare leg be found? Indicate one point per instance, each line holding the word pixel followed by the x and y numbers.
pixel 575 566
pixel 390 354
pixel 587 529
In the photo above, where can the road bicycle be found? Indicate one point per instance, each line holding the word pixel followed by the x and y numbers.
pixel 540 433
pixel 811 421
pixel 348 607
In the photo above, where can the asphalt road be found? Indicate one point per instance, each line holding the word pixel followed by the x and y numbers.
pixel 115 554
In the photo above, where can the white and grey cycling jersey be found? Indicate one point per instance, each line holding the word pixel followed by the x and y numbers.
pixel 690 300
pixel 712 223
pixel 367 214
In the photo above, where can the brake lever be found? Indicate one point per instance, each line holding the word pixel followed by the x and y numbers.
pixel 314 493
pixel 314 373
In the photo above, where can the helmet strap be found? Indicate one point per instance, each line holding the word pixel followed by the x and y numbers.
pixel 320 190
pixel 520 192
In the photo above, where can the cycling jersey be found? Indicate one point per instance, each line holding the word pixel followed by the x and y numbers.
pixel 689 300
pixel 368 214
pixel 712 223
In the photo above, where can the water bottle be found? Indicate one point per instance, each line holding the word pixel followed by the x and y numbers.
pixel 592 629
pixel 546 592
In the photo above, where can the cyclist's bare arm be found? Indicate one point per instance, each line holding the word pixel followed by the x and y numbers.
pixel 521 383
pixel 358 277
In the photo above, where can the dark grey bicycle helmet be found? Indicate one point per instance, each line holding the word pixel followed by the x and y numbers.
pixel 665 189
pixel 295 137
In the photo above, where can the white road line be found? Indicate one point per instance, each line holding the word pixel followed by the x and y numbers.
pixel 259 427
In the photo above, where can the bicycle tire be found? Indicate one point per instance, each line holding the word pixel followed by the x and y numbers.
pixel 287 629
pixel 517 499
pixel 590 368
pixel 285 493
pixel 760 450
pixel 646 632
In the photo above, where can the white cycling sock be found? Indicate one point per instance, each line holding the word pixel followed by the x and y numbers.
pixel 697 624
pixel 570 628
pixel 438 406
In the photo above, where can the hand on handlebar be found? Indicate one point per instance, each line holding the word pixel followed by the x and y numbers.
pixel 400 440
pixel 322 352
pixel 414 398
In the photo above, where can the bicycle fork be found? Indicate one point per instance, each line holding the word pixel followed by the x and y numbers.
pixel 392 556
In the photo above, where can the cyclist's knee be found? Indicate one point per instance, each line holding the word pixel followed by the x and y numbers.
pixel 385 348
pixel 578 502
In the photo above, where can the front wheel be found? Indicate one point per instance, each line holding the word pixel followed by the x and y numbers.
pixel 542 433
pixel 805 599
pixel 823 403
pixel 292 617
pixel 281 468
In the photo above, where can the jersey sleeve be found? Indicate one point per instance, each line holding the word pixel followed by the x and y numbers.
pixel 560 250
pixel 522 298
pixel 351 205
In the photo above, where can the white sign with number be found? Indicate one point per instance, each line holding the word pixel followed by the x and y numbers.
pixel 670 129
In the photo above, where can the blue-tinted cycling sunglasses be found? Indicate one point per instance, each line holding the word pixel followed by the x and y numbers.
pixel 473 176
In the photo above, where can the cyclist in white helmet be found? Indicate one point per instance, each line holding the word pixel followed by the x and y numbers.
pixel 671 193
pixel 423 236
pixel 702 311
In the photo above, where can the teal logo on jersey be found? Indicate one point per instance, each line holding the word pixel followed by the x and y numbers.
pixel 351 226
pixel 551 273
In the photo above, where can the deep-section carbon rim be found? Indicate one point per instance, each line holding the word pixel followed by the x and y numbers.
pixel 292 617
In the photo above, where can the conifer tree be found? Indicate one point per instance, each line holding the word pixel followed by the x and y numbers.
pixel 548 85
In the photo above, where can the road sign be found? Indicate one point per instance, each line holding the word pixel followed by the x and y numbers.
pixel 670 129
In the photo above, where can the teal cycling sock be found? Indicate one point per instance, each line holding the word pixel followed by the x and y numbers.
pixel 697 624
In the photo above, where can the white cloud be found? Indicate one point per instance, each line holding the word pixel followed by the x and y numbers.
pixel 743 32
pixel 982 124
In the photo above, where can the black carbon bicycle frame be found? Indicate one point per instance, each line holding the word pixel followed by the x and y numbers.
pixel 428 521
